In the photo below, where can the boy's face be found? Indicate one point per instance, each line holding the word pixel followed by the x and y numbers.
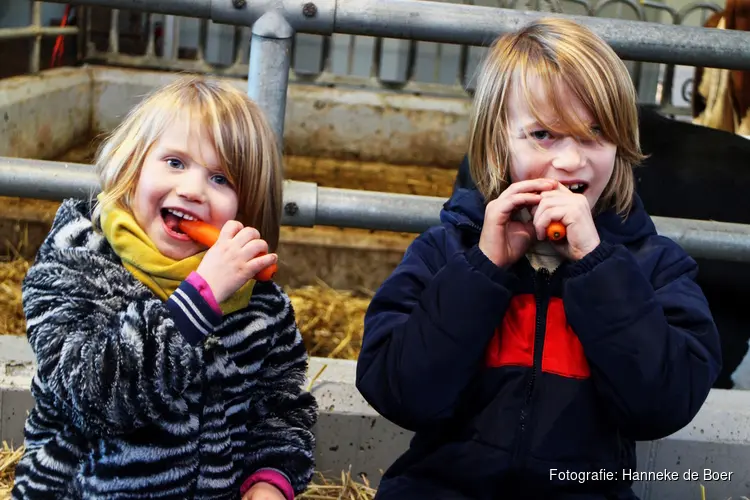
pixel 584 167
pixel 181 173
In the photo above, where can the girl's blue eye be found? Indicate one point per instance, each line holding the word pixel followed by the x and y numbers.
pixel 174 163
pixel 220 179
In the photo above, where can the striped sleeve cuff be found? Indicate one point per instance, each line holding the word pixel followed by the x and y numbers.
pixel 194 317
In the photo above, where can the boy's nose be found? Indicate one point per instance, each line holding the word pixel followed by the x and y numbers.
pixel 569 157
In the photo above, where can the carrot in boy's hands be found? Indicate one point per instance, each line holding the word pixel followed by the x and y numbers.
pixel 206 235
pixel 556 231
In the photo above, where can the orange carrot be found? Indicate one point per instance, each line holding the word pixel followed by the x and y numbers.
pixel 556 231
pixel 200 232
pixel 206 235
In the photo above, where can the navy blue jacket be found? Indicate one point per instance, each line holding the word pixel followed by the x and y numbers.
pixel 505 375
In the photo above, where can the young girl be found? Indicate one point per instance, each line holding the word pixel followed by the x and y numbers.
pixel 528 368
pixel 165 370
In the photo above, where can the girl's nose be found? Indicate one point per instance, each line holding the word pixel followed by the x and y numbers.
pixel 569 156
pixel 191 189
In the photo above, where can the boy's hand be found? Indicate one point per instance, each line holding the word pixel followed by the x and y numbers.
pixel 263 491
pixel 504 240
pixel 233 260
pixel 574 212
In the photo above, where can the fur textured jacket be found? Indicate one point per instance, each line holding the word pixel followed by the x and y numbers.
pixel 134 400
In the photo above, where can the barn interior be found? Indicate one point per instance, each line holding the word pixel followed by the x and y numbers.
pixel 362 113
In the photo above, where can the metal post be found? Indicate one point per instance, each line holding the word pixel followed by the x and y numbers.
pixel 36 43
pixel 268 74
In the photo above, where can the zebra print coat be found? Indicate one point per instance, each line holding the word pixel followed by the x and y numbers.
pixel 133 401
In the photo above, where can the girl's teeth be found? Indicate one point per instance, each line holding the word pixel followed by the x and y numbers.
pixel 181 214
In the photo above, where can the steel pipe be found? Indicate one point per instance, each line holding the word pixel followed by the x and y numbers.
pixel 376 210
pixel 463 24
pixel 46 180
pixel 32 31
pixel 477 25
pixel 305 204
pixel 268 73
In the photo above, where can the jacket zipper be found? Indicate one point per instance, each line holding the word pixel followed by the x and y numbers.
pixel 541 297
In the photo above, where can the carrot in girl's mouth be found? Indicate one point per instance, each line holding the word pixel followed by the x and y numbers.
pixel 206 234
pixel 556 231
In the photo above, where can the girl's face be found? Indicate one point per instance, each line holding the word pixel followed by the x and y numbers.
pixel 181 176
pixel 585 167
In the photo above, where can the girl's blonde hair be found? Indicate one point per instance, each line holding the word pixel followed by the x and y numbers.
pixel 243 139
pixel 560 54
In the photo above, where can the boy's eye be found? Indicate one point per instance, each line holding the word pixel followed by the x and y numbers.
pixel 596 129
pixel 540 135
pixel 174 163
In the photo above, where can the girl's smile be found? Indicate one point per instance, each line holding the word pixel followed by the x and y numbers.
pixel 181 178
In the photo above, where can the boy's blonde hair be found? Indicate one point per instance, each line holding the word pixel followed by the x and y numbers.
pixel 244 141
pixel 558 53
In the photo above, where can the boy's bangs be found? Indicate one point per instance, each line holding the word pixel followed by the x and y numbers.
pixel 542 89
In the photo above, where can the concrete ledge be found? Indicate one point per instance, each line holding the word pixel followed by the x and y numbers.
pixel 325 122
pixel 43 115
pixel 351 434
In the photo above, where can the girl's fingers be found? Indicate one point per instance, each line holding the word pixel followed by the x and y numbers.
pixel 230 229
pixel 246 235
pixel 254 248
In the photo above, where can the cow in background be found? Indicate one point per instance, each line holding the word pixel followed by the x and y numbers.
pixel 721 97
pixel 695 172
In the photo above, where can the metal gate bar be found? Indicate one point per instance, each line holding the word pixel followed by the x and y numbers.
pixel 36 31
pixel 460 24
pixel 306 204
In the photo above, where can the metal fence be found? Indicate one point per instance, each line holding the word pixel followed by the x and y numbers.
pixel 452 65
pixel 274 22
pixel 306 204
pixel 437 69
pixel 36 31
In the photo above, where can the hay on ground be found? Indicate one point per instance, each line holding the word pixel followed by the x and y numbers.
pixel 344 488
pixel 331 321
pixel 9 457
pixel 321 488
pixel 11 311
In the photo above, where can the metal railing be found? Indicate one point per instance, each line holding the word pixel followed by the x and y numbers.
pixel 468 55
pixel 306 204
pixel 273 24
pixel 36 31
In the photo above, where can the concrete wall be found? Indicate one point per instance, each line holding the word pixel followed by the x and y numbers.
pixel 42 116
pixel 350 434
pixel 45 115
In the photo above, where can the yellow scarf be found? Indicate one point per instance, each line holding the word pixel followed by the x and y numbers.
pixel 159 273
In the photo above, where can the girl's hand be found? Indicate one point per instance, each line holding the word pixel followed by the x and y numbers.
pixel 233 260
pixel 504 240
pixel 574 212
pixel 263 491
